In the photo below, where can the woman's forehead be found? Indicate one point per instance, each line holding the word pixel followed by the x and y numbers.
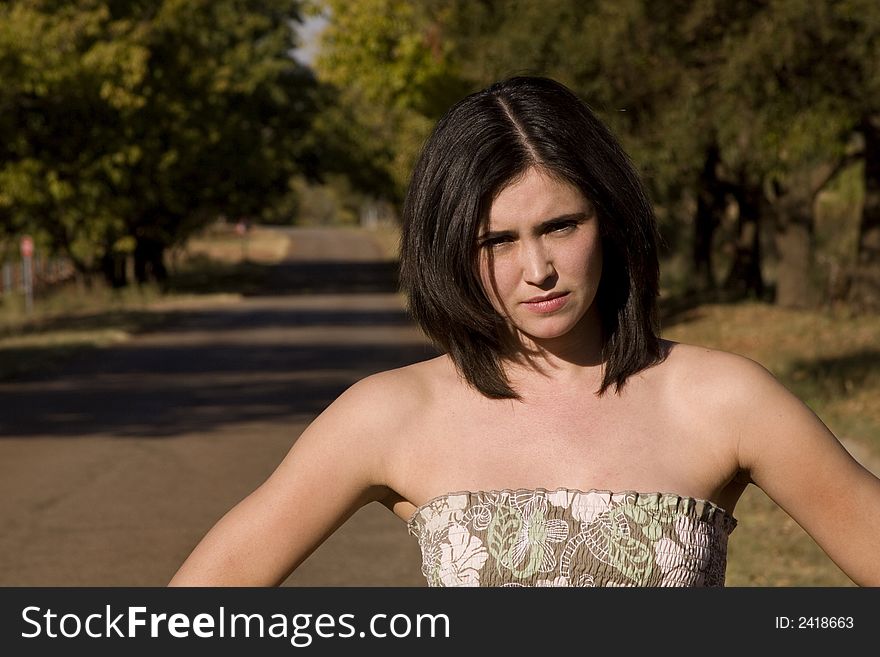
pixel 534 196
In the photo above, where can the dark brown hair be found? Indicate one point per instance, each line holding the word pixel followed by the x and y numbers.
pixel 481 144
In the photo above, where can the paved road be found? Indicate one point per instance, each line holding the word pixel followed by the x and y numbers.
pixel 112 470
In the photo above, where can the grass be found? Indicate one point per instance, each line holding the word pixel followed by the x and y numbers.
pixel 388 239
pixel 828 358
pixel 73 318
pixel 831 360
pixel 222 244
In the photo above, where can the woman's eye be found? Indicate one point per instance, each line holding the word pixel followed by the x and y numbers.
pixel 563 227
pixel 496 242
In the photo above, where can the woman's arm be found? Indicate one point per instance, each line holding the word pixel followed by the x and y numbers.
pixel 793 457
pixel 334 468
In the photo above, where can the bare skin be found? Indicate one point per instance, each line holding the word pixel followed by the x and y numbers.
pixel 645 439
pixel 701 423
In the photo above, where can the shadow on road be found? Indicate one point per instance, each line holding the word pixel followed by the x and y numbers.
pixel 163 392
pixel 334 277
pixel 258 360
pixel 289 278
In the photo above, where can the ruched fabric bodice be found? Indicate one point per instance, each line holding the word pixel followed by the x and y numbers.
pixel 567 537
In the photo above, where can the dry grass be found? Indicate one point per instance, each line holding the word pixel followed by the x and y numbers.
pixel 831 360
pixel 388 239
pixel 74 318
pixel 221 243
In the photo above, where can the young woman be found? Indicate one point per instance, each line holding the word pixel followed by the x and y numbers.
pixel 558 441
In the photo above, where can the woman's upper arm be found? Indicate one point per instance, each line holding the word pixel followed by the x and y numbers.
pixel 333 469
pixel 793 457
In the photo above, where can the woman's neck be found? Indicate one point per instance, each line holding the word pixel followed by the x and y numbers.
pixel 575 357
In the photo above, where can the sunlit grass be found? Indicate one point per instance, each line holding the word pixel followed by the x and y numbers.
pixel 831 360
pixel 78 316
pixel 222 244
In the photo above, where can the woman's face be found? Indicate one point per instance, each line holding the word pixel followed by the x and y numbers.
pixel 540 256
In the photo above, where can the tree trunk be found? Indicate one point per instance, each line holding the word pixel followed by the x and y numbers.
pixel 113 268
pixel 744 277
pixel 796 280
pixel 794 243
pixel 869 228
pixel 865 283
pixel 710 207
pixel 149 261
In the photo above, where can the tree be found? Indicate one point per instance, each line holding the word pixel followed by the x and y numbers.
pixel 748 105
pixel 393 71
pixel 137 122
pixel 863 90
pixel 788 123
pixel 62 84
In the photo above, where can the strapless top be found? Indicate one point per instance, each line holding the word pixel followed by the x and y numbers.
pixel 568 537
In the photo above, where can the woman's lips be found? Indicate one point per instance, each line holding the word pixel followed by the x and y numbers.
pixel 547 305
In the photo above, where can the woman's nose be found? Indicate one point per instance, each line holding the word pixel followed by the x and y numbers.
pixel 537 264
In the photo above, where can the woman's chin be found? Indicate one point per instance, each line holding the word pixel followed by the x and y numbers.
pixel 552 328
pixel 546 332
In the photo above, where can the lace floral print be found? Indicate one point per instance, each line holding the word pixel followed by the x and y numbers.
pixel 572 538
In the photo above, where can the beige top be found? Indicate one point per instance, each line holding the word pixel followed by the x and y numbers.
pixel 567 537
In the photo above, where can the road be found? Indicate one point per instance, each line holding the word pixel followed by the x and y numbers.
pixel 112 469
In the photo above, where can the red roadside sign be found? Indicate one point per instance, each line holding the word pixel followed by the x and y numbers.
pixel 27 246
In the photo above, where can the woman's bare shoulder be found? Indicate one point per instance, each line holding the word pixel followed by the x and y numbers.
pixel 386 399
pixel 712 370
pixel 361 430
pixel 713 391
pixel 786 450
pixel 695 355
pixel 739 394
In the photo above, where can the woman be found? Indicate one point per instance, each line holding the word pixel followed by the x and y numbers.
pixel 558 440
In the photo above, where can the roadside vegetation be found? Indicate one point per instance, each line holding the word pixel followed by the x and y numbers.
pixel 217 266
pixel 831 360
pixel 127 127
pixel 829 357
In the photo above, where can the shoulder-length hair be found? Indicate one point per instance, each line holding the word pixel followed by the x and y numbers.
pixel 483 143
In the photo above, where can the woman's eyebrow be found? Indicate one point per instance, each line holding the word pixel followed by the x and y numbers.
pixel 492 234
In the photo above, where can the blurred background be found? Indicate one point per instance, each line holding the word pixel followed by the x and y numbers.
pixel 199 207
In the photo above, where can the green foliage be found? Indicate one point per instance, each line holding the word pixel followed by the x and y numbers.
pixel 782 104
pixel 778 89
pixel 145 119
pixel 392 66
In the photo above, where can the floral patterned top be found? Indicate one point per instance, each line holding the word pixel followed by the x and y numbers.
pixel 567 537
